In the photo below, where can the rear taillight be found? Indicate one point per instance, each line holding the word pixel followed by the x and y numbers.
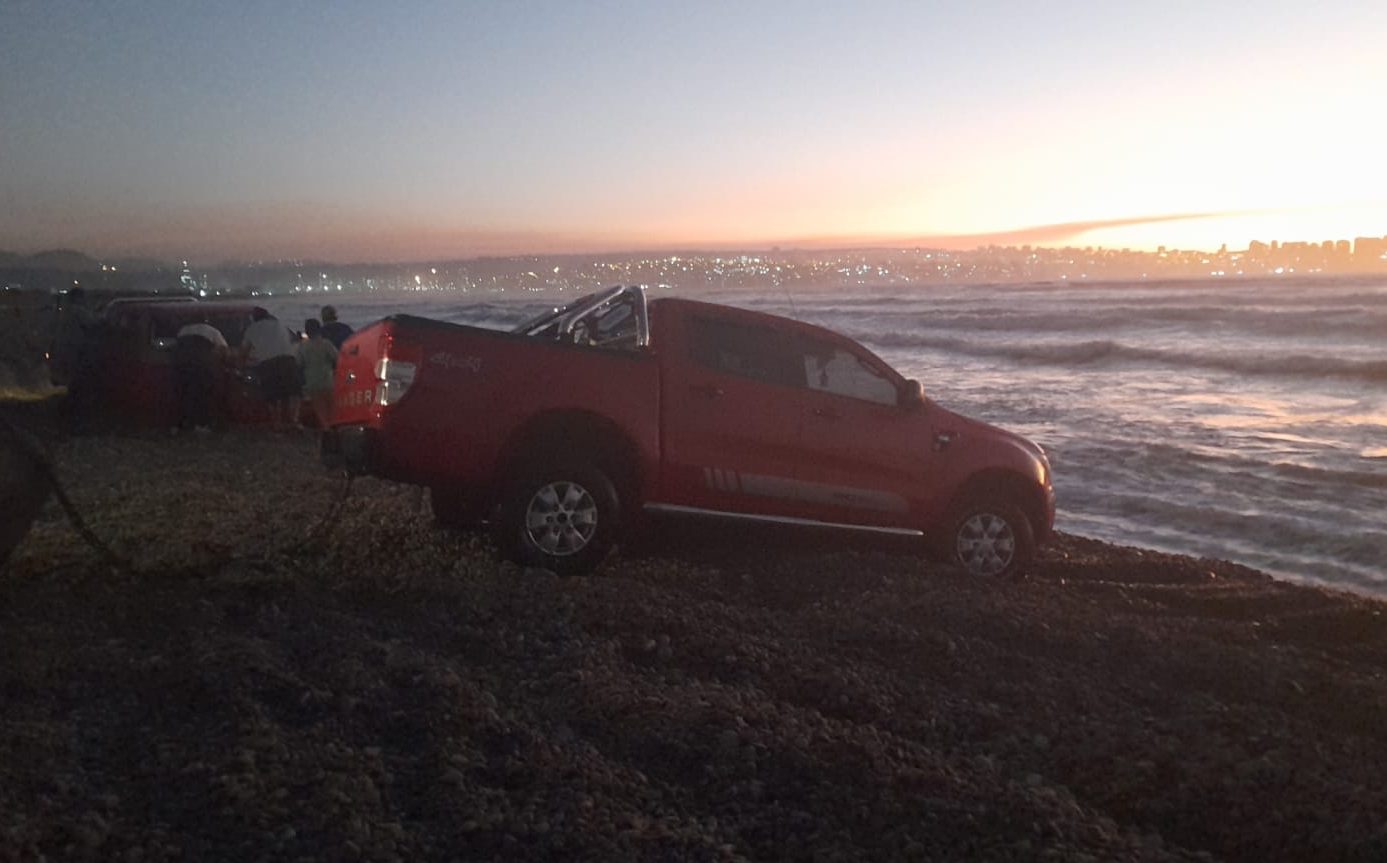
pixel 393 378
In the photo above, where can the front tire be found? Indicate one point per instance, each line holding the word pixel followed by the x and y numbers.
pixel 563 518
pixel 989 539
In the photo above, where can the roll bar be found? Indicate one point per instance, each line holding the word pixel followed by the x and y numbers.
pixel 560 322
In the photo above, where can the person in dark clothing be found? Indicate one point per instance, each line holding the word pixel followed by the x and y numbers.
pixel 76 360
pixel 197 355
pixel 24 485
pixel 334 330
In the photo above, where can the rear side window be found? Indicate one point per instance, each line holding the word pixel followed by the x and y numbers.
pixel 746 351
pixel 164 328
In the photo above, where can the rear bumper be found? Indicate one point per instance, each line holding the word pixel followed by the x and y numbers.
pixel 354 448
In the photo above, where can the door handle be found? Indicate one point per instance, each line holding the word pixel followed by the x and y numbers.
pixel 827 413
pixel 708 391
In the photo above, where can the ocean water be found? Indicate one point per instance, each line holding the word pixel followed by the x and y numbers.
pixel 1238 420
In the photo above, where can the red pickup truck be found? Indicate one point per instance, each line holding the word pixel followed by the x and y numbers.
pixel 567 429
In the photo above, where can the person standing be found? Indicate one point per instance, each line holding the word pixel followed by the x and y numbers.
pixel 196 357
pixel 24 485
pixel 76 360
pixel 334 330
pixel 267 349
pixel 317 361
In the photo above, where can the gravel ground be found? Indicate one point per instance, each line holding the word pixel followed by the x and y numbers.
pixel 386 690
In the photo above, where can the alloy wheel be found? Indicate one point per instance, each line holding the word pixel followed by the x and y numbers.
pixel 985 544
pixel 561 518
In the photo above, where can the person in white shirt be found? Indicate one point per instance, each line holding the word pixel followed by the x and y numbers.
pixel 205 330
pixel 200 349
pixel 267 348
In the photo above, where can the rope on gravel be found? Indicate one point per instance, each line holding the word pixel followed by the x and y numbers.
pixel 317 531
pixel 123 564
pixel 50 475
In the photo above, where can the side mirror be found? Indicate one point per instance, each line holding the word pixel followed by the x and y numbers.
pixel 912 396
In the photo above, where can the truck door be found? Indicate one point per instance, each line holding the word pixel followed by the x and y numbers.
pixel 732 400
pixel 865 456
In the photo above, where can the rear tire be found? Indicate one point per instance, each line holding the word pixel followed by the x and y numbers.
pixel 563 518
pixel 988 538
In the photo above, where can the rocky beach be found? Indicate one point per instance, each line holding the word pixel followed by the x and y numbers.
pixel 279 672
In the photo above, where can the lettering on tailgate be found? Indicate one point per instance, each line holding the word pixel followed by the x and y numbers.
pixel 455 361
pixel 355 398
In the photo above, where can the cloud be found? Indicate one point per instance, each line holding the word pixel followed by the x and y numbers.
pixel 1062 232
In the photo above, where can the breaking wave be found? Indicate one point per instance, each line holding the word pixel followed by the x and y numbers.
pixel 1105 352
pixel 1344 321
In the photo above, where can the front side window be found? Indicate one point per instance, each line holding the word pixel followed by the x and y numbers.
pixel 832 369
pixel 746 351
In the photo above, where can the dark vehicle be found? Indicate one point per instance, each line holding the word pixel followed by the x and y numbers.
pixel 136 370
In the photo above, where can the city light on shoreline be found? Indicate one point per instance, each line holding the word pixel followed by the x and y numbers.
pixel 837 271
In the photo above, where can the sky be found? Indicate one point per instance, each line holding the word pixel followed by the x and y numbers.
pixel 359 131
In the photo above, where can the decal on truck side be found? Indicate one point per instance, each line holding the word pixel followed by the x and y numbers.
pixel 784 488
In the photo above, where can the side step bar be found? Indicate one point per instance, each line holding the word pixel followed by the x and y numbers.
pixel 676 509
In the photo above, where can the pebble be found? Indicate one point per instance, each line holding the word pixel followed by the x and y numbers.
pixel 453 776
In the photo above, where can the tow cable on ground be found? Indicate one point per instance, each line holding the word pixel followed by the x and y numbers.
pixel 27 448
pixel 322 528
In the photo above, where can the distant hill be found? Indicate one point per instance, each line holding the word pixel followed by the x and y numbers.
pixel 56 270
pixel 73 261
pixel 141 265
pixel 68 260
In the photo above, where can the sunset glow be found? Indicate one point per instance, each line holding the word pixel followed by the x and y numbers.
pixel 395 132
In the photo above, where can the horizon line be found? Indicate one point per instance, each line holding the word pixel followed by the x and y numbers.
pixel 1053 235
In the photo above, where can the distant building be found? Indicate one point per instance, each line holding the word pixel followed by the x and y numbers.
pixel 1369 249
pixel 190 283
